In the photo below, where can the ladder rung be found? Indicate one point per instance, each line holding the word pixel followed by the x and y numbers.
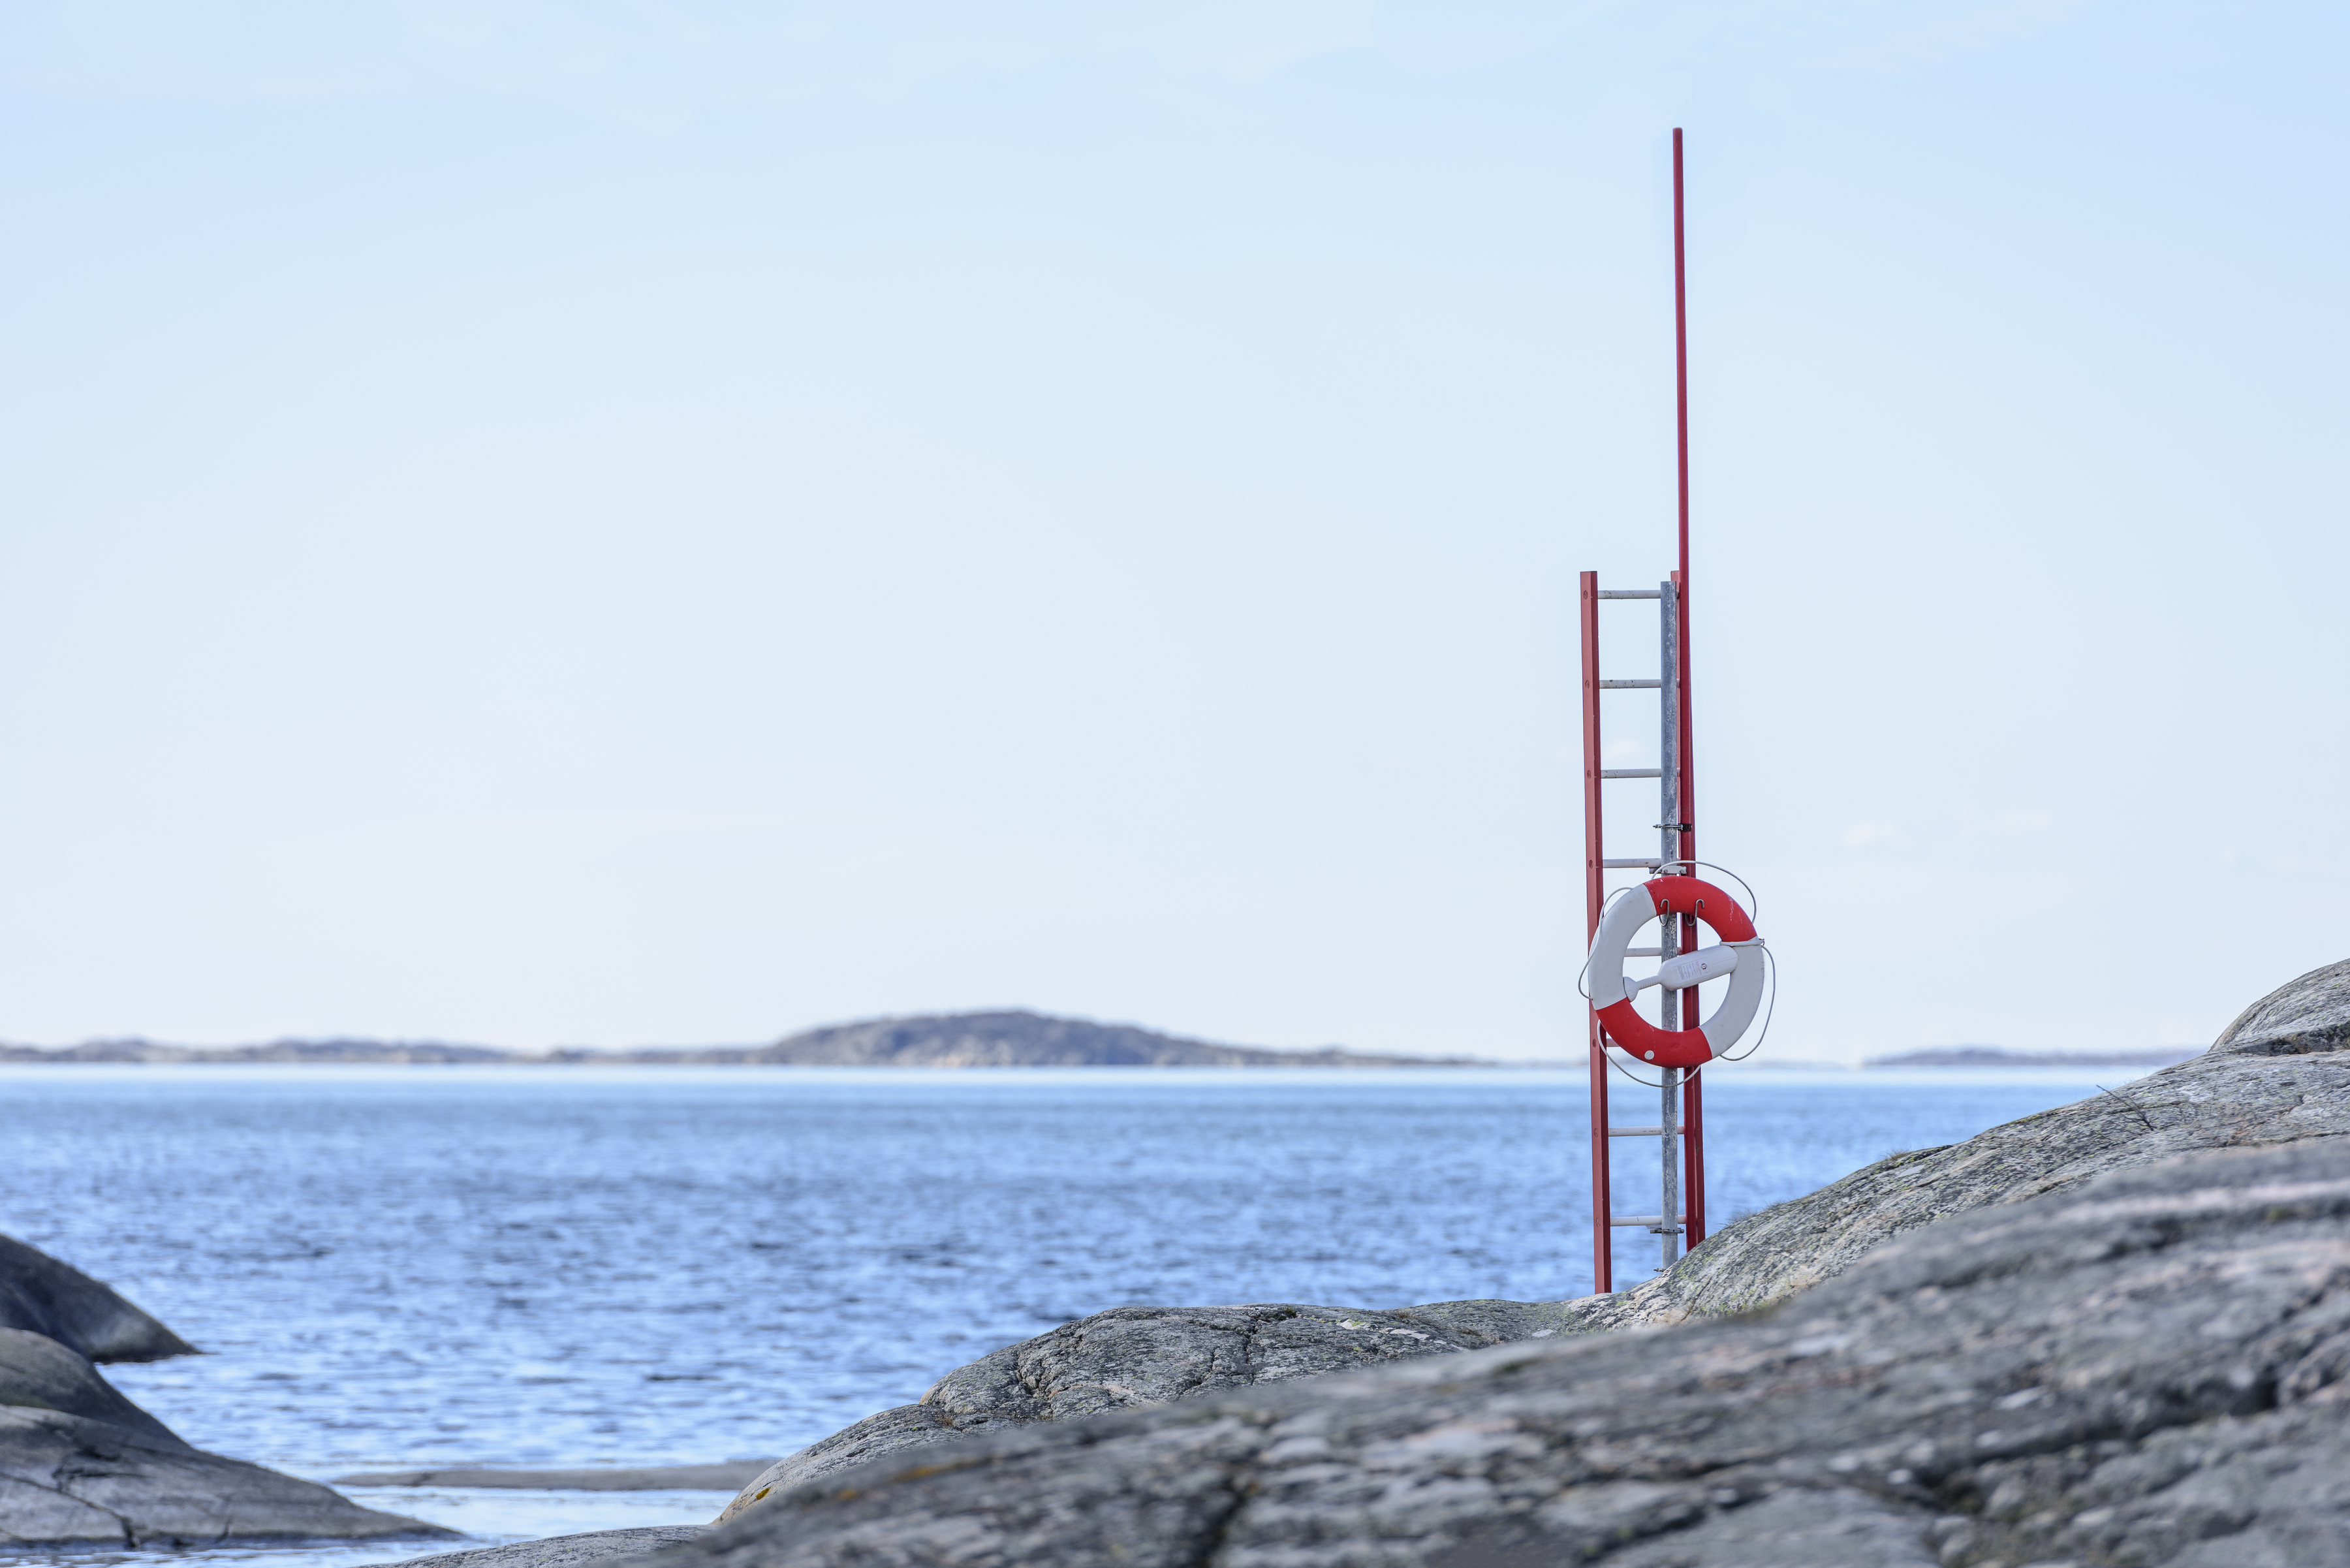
pixel 1631 772
pixel 1636 1132
pixel 1627 593
pixel 1646 952
pixel 1632 864
pixel 1630 685
pixel 1641 1219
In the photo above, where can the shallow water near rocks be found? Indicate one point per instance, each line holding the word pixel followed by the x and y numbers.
pixel 400 1268
pixel 487 1517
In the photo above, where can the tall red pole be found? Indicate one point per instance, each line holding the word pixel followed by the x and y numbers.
pixel 1681 403
pixel 1594 892
pixel 1692 1105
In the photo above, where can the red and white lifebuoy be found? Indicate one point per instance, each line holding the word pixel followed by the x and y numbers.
pixel 1612 994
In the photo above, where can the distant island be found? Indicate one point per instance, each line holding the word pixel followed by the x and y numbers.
pixel 1999 1056
pixel 1009 1039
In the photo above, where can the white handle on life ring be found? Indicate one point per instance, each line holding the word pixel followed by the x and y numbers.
pixel 1612 994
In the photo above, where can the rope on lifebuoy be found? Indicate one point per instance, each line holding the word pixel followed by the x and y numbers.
pixel 1611 994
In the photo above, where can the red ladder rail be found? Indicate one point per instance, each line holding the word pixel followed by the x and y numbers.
pixel 1594 892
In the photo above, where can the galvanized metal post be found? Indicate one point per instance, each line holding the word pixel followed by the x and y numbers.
pixel 1670 740
pixel 1684 831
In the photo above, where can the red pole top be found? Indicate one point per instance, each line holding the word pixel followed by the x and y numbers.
pixel 1687 804
pixel 1680 352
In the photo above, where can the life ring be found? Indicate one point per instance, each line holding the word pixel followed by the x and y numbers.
pixel 1612 994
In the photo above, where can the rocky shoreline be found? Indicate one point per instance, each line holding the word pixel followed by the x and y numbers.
pixel 81 1464
pixel 2147 1368
pixel 2115 1332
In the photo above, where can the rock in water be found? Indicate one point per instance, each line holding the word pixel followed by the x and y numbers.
pixel 40 1293
pixel 561 1551
pixel 1133 1358
pixel 729 1476
pixel 38 1374
pixel 79 1463
pixel 2150 1367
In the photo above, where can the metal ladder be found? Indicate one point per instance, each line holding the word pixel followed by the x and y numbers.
pixel 1680 1126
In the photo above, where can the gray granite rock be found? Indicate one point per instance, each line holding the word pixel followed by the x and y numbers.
pixel 1134 1358
pixel 37 1373
pixel 2309 1016
pixel 2279 1073
pixel 79 1463
pixel 40 1293
pixel 729 1476
pixel 563 1550
pixel 2148 1367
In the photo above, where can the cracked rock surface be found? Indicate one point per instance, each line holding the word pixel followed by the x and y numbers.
pixel 2279 1073
pixel 79 1463
pixel 561 1551
pixel 2148 1367
pixel 41 1294
pixel 1135 1357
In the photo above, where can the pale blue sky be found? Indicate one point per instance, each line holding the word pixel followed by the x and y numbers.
pixel 621 523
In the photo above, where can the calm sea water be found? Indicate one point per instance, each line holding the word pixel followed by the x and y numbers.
pixel 419 1266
